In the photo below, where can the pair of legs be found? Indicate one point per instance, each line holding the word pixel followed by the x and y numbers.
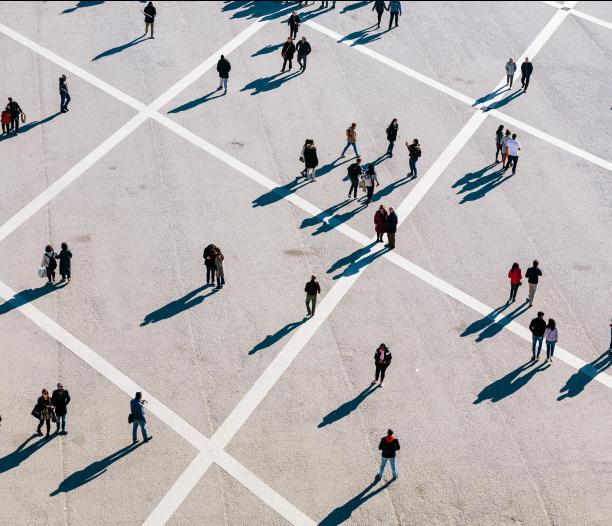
pixel 293 31
pixel 6 128
pixel 512 160
pixel 412 161
pixel 550 350
pixel 220 279
pixel 61 423
pixel 390 148
pixel 354 145
pixel 64 100
pixel 302 61
pixel 66 276
pixel 513 290
pixel 143 430
pixel 290 61
pixel 393 16
pixel 310 174
pixel 46 421
pixel 498 149
pixel 379 14
pixel 151 24
pixel 509 79
pixel 525 81
pixel 532 291
pixel 353 188
pixel 311 304
pixel 15 122
pixel 222 84
pixel 379 236
pixel 391 238
pixel 380 371
pixel 534 340
pixel 383 464
pixel 50 275
pixel 369 192
pixel 210 274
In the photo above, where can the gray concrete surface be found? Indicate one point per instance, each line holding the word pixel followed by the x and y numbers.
pixel 485 439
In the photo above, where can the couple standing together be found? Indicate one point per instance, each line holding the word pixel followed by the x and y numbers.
pixel 213 260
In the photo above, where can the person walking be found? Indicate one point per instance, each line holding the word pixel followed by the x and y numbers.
pixel 391 228
pixel 354 173
pixel 65 262
pixel 44 408
pixel 389 445
pixel 150 13
pixel 499 136
pixel 532 275
pixel 382 360
pixel 395 10
pixel 302 159
pixel 380 8
pixel 6 121
pixel 138 418
pixel 513 153
pixel 414 152
pixel 209 263
pixel 504 147
pixel 351 139
pixel 287 53
pixel 15 111
pixel 392 135
pixel 510 70
pixel 223 68
pixel 64 95
pixel 526 71
pixel 60 400
pixel 369 178
pixel 49 263
pixel 551 335
pixel 516 275
pixel 311 289
pixel 311 160
pixel 380 218
pixel 294 24
pixel 303 50
pixel 219 257
pixel 537 328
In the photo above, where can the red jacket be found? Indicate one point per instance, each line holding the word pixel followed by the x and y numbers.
pixel 515 276
pixel 379 221
pixel 6 117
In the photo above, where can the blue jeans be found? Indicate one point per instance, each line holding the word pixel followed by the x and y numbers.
pixel 143 429
pixel 61 422
pixel 550 349
pixel 223 83
pixel 412 163
pixel 534 340
pixel 354 145
pixel 383 463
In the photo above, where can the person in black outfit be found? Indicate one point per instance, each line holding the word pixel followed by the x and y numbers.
pixel 379 7
pixel 391 228
pixel 15 110
pixel 294 24
pixel 532 275
pixel 65 257
pixel 311 289
pixel 44 407
pixel 60 400
pixel 537 328
pixel 392 135
pixel 64 95
pixel 287 53
pixel 526 71
pixel 223 68
pixel 209 262
pixel 388 445
pixel 354 172
pixel 382 360
pixel 150 12
pixel 303 50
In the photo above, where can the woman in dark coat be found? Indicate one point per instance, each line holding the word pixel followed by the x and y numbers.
pixel 209 261
pixel 45 407
pixel 380 218
pixel 287 53
pixel 392 136
pixel 310 159
pixel 382 360
pixel 64 257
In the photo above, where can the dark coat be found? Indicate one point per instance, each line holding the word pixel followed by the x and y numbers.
pixel 63 87
pixel 392 132
pixel 387 359
pixel 303 48
pixel 44 406
pixel 209 256
pixel 14 107
pixel 288 50
pixel 379 221
pixel 60 400
pixel 64 257
pixel 150 13
pixel 391 223
pixel 294 20
pixel 354 171
pixel 388 448
pixel 310 157
pixel 527 68
pixel 379 6
pixel 223 67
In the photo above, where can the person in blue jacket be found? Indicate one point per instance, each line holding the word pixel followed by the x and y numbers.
pixel 395 10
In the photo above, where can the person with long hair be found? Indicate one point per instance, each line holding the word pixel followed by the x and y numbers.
pixel 380 218
pixel 382 360
pixel 45 408
pixel 551 335
pixel 516 275
pixel 499 135
pixel 219 266
pixel 392 136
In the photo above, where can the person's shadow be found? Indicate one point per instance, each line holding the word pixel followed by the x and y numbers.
pixel 386 190
pixel 510 383
pixel 355 261
pixel 175 307
pixel 478 184
pixel 270 48
pixel 12 460
pixel 196 102
pixel 122 47
pixel 28 296
pixel 279 193
pixel 576 383
pixel 269 83
pixel 271 339
pixel 30 125
pixel 347 407
pixel 344 512
pixel 326 168
pixel 504 101
pixel 491 327
pixel 93 471
pixel 80 5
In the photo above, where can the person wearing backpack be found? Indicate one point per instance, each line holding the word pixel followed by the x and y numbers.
pixel 392 136
pixel 414 152
pixel 223 68
pixel 49 263
pixel 354 171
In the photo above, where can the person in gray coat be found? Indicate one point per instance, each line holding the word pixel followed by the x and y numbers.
pixel 510 70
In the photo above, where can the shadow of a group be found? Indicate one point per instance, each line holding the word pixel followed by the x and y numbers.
pixel 175 307
pixel 28 296
pixel 475 185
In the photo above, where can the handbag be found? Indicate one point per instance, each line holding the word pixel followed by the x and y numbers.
pixel 53 417
pixel 301 159
pixel 36 412
pixel 41 272
pixel 130 418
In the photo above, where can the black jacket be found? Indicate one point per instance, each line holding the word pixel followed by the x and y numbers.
pixel 532 274
pixel 387 358
pixel 537 327
pixel 388 448
pixel 310 157
pixel 288 50
pixel 303 48
pixel 150 13
pixel 391 223
pixel 63 87
pixel 64 261
pixel 379 6
pixel 312 288
pixel 354 171
pixel 223 67
pixel 209 256
pixel 60 401
pixel 294 20
pixel 14 108
pixel 392 132
pixel 527 68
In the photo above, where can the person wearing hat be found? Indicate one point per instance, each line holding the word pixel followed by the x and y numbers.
pixel 64 95
pixel 388 445
pixel 60 400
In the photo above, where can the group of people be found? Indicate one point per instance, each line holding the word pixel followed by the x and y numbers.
pixel 52 408
pixel 289 49
pixel 508 145
pixel 48 265
pixel 394 8
pixel 10 117
pixel 385 222
pixel 213 261
pixel 526 71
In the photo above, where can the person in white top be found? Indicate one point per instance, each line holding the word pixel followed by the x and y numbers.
pixel 513 153
pixel 510 69
pixel 551 335
pixel 504 148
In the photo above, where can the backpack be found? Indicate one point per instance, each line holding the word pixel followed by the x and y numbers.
pixel 52 261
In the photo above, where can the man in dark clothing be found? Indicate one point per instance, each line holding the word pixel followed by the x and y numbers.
pixel 149 12
pixel 388 445
pixel 138 418
pixel 391 228
pixel 395 10
pixel 64 95
pixel 60 400
pixel 379 7
pixel 223 68
pixel 537 328
pixel 303 50
pixel 311 289
pixel 15 111
pixel 532 275
pixel 287 53
pixel 526 71
pixel 354 172
pixel 294 24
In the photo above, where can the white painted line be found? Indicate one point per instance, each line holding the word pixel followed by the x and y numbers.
pixel 582 14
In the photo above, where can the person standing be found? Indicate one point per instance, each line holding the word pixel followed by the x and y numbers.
pixel 504 147
pixel 150 13
pixel 392 135
pixel 354 173
pixel 516 275
pixel 380 8
pixel 223 68
pixel 351 139
pixel 287 53
pixel 370 178
pixel 6 121
pixel 49 263
pixel 513 153
pixel 16 112
pixel 532 275
pixel 499 136
pixel 219 257
pixel 414 152
pixel 60 400
pixel 294 24
pixel 64 95
pixel 209 263
pixel 138 418
pixel 537 328
pixel 391 228
pixel 382 360
pixel 526 71
pixel 65 262
pixel 395 10
pixel 551 335
pixel 389 445
pixel 380 218
pixel 311 289
pixel 311 160
pixel 44 407
pixel 510 70
pixel 303 50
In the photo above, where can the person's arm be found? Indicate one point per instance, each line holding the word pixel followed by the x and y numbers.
pixel 400 12
pixel 318 288
pixel 531 327
pixel 67 397
pixel 510 274
pixel 306 288
pixel 380 445
pixel 397 446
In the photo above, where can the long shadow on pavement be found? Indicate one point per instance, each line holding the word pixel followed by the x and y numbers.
pixel 386 190
pixel 271 339
pixel 328 219
pixel 489 327
pixel 196 102
pixel 12 460
pixel 478 184
pixel 355 261
pixel 29 126
pixel 279 193
pixel 580 379
pixel 510 383
pixel 28 296
pixel 347 407
pixel 505 100
pixel 80 5
pixel 122 47
pixel 269 83
pixel 258 9
pixel 175 307
pixel 489 96
pixel 326 168
pixel 352 6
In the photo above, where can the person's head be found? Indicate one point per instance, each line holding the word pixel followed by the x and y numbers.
pixel 381 207
pixel 510 60
pixel 535 263
pixel 389 432
pixel 294 12
pixel 415 141
pixel 382 347
pixel 10 99
pixel 45 393
pixel 526 59
pixel 353 125
pixel 303 39
pixel 222 57
pixel 515 265
pixel 63 77
pixel 289 39
pixel 394 121
pixel 138 395
pixel 64 246
pixel 390 209
pixel 540 314
pixel 60 386
pixel 313 278
pixel 507 132
pixel 358 160
pixel 501 127
pixel 551 324
pixel 514 135
pixel 48 248
pixel 150 3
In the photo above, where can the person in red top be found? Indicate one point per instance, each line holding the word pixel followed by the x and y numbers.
pixel 515 276
pixel 6 120
pixel 379 222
